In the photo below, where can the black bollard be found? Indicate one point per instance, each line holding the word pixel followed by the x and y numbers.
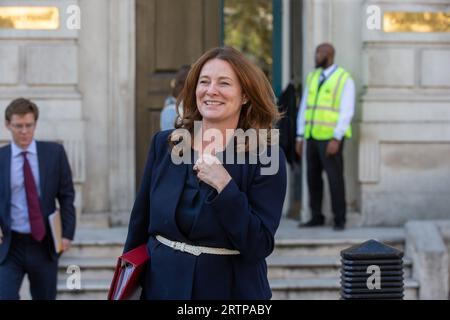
pixel 372 270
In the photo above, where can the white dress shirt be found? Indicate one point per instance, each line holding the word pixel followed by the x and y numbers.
pixel 346 109
pixel 19 208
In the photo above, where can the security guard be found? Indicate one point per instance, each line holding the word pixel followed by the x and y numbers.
pixel 326 110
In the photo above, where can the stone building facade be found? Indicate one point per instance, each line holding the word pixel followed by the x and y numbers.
pixel 100 88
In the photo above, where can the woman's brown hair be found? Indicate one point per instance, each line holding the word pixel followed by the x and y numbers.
pixel 260 111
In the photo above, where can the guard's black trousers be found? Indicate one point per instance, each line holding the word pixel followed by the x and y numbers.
pixel 317 161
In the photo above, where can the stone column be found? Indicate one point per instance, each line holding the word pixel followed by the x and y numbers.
pixel 121 96
pixel 107 67
pixel 337 22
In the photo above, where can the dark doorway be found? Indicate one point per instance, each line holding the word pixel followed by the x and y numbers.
pixel 169 33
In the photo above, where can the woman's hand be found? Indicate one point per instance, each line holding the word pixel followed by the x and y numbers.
pixel 211 171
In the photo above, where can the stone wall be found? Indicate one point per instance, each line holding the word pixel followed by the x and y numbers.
pixel 42 65
pixel 396 164
pixel 404 172
pixel 426 245
pixel 82 79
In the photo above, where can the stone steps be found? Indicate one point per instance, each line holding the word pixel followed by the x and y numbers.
pixel 322 289
pixel 294 267
pixel 91 268
pixel 311 247
pixel 94 249
pixel 92 289
pixel 305 264
pixel 282 289
pixel 290 277
pixel 279 267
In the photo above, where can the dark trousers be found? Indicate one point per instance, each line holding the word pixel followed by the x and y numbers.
pixel 27 256
pixel 317 161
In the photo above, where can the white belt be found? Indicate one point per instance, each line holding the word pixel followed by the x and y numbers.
pixel 195 250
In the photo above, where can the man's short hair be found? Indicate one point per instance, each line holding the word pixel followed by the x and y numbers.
pixel 21 106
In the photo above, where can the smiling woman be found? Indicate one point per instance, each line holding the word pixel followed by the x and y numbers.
pixel 219 94
pixel 225 88
pixel 209 226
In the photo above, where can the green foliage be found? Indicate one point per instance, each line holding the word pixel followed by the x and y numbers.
pixel 248 28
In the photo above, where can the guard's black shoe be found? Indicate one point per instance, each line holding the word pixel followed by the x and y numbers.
pixel 311 223
pixel 339 227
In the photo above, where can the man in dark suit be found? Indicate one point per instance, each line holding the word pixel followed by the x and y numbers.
pixel 32 175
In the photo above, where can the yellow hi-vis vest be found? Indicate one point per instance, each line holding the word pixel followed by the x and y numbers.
pixel 322 106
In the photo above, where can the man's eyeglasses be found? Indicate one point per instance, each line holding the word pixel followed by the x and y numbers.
pixel 20 127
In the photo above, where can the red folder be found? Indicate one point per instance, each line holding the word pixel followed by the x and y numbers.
pixel 130 266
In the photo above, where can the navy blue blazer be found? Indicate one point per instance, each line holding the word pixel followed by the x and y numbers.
pixel 244 217
pixel 55 183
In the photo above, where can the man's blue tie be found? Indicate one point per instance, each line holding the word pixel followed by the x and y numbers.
pixel 322 79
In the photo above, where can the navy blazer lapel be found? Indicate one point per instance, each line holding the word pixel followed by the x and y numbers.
pixel 41 156
pixel 5 176
pixel 171 181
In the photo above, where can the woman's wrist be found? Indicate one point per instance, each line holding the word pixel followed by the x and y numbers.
pixel 223 184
